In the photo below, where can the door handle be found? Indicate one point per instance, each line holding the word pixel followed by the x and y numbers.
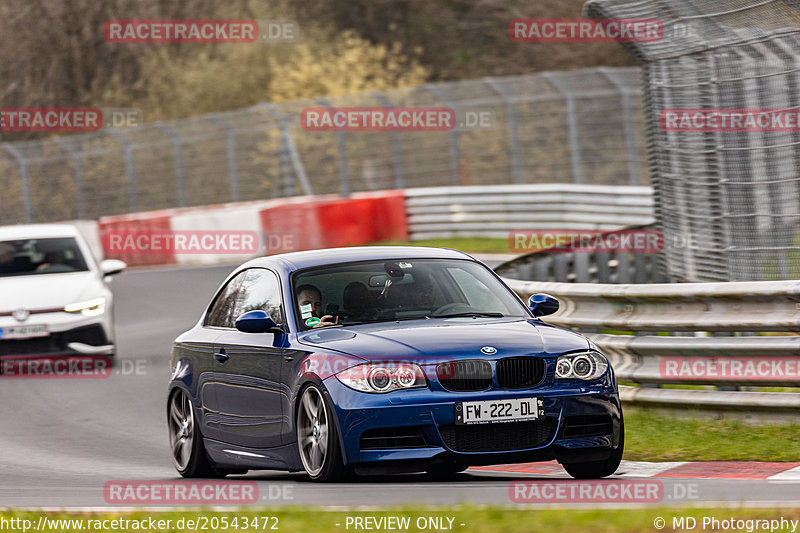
pixel 221 356
pixel 288 358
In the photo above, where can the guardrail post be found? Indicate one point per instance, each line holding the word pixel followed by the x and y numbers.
pixel 572 125
pixel 233 168
pixel 76 175
pixel 344 173
pixel 630 133
pixel 297 163
pixel 511 111
pixel 133 201
pixel 455 153
pixel 23 172
pixel 180 181
pixel 397 150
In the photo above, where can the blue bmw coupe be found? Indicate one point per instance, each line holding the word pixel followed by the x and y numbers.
pixel 373 360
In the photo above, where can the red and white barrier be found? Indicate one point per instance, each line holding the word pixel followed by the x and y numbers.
pixel 236 232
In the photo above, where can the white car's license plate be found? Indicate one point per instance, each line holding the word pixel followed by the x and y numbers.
pixel 23 332
pixel 492 411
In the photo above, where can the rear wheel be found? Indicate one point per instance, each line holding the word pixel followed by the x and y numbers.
pixel 186 442
pixel 598 469
pixel 318 444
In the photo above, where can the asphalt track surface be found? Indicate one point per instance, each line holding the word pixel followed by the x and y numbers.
pixel 62 440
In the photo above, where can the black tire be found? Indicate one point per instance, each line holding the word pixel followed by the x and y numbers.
pixel 193 461
pixel 329 467
pixel 599 469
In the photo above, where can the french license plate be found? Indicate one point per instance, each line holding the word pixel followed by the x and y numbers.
pixel 23 332
pixel 493 411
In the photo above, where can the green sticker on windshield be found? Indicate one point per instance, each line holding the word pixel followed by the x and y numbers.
pixel 313 321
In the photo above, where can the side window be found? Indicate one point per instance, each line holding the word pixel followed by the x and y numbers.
pixel 221 313
pixel 260 290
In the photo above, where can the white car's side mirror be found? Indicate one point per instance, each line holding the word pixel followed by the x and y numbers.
pixel 109 267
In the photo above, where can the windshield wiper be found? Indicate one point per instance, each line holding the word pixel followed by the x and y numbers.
pixel 469 313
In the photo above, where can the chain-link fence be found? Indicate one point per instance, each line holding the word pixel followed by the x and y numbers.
pixel 579 126
pixel 732 194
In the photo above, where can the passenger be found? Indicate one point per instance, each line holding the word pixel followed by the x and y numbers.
pixel 421 292
pixel 357 303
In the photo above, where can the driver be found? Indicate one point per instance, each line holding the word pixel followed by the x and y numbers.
pixel 309 295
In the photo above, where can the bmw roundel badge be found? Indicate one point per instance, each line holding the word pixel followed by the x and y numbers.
pixel 489 350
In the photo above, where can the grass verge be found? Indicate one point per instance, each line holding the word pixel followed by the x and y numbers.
pixel 473 245
pixel 474 520
pixel 651 437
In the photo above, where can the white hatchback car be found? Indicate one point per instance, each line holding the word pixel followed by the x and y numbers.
pixel 54 296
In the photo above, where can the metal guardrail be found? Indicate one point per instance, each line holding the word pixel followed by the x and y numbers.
pixel 496 210
pixel 743 309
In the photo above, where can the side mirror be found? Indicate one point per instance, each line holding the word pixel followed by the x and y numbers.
pixel 257 321
pixel 109 267
pixel 542 304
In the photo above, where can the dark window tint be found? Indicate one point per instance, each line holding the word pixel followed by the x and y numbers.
pixel 221 312
pixel 28 257
pixel 260 291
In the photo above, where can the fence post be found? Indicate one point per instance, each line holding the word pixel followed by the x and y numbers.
pixel 129 169
pixel 397 150
pixel 293 154
pixel 630 134
pixel 23 171
pixel 76 175
pixel 180 181
pixel 233 169
pixel 455 154
pixel 343 165
pixel 511 111
pixel 572 125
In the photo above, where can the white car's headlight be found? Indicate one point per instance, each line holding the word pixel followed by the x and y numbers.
pixel 93 307
pixel 383 377
pixel 581 365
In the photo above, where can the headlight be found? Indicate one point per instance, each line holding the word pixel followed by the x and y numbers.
pixel 383 377
pixel 93 307
pixel 581 365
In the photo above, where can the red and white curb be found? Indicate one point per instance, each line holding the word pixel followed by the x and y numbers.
pixel 682 469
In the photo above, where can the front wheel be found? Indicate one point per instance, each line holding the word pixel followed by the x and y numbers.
pixel 318 444
pixel 598 469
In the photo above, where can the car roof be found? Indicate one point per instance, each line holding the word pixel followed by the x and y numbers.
pixel 311 258
pixel 37 231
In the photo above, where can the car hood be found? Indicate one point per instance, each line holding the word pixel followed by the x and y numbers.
pixel 440 339
pixel 45 291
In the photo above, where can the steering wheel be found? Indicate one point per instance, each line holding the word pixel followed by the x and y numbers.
pixel 449 308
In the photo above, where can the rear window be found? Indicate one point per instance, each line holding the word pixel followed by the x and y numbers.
pixel 28 257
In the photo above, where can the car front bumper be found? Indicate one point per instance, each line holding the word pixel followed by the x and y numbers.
pixel 431 413
pixel 68 334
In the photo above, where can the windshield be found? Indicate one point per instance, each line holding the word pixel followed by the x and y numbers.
pixel 28 257
pixel 380 291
